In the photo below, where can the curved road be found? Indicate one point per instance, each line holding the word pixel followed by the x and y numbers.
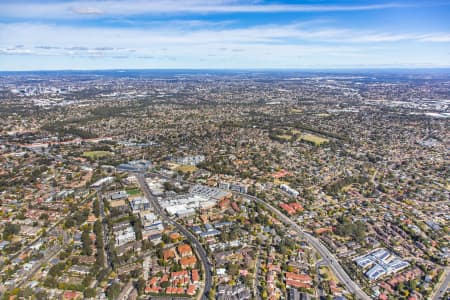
pixel 327 256
pixel 195 243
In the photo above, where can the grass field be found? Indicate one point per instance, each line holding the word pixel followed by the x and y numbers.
pixel 316 140
pixel 325 272
pixel 285 137
pixel 187 168
pixel 97 154
pixel 134 192
pixel 279 182
pixel 346 188
pixel 308 137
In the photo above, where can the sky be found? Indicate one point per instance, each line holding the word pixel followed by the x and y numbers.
pixel 223 34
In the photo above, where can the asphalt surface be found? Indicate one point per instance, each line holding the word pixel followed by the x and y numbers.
pixel 104 226
pixel 37 266
pixel 195 243
pixel 327 256
pixel 443 287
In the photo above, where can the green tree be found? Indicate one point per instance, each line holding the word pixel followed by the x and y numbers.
pixel 87 242
pixel 9 230
pixel 412 285
pixel 140 285
pixel 96 208
pixel 165 238
pixel 137 226
pixel 51 282
pixel 113 291
pixel 26 293
pixel 248 280
pixel 57 269
pixel 212 294
pixel 233 269
pixel 100 261
pixel 89 293
pixel 97 227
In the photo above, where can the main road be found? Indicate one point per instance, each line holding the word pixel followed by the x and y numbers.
pixel 327 256
pixel 195 243
pixel 443 286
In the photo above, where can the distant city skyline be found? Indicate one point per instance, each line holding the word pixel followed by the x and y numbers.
pixel 223 34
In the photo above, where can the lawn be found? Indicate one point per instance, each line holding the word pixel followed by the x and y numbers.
pixel 325 272
pixel 134 192
pixel 97 154
pixel 285 137
pixel 187 168
pixel 279 182
pixel 316 140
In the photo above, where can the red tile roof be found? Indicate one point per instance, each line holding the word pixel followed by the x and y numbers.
pixel 168 254
pixel 184 250
pixel 191 290
pixel 188 261
pixel 195 276
pixel 298 277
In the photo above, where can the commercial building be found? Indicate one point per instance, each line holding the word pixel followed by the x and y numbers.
pixel 190 160
pixel 125 236
pixel 135 166
pixel 139 204
pixel 210 192
pixel 289 190
pixel 380 262
pixel 186 205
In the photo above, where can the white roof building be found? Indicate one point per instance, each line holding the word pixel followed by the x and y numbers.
pixel 187 204
pixel 125 236
pixel 381 262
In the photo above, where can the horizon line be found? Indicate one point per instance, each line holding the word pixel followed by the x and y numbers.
pixel 239 69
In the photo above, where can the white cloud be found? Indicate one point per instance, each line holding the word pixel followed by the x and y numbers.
pixel 87 11
pixel 273 45
pixel 58 39
pixel 80 38
pixel 442 37
pixel 74 9
pixel 254 41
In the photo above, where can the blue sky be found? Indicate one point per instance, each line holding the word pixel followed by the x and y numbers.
pixel 111 34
